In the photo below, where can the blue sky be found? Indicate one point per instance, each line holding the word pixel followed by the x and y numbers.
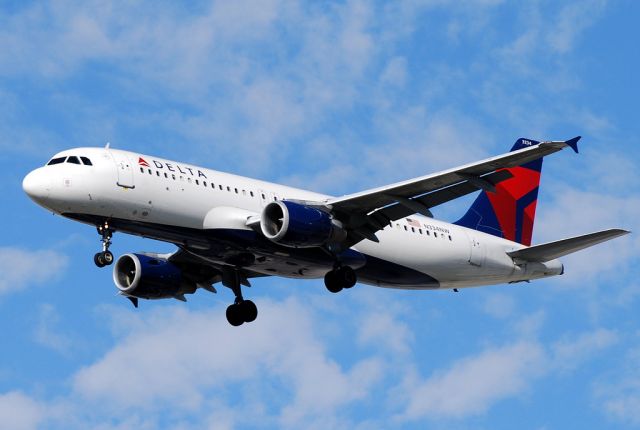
pixel 334 97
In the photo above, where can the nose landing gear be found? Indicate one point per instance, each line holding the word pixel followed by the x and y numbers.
pixel 104 258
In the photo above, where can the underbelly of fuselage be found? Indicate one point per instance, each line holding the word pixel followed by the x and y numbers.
pixel 248 249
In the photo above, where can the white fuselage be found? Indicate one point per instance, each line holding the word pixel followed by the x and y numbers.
pixel 156 195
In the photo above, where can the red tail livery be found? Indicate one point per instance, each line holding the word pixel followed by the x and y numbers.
pixel 510 211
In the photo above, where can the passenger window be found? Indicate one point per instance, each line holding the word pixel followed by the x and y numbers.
pixel 228 188
pixel 197 182
pixel 189 180
pixel 435 234
pixel 263 198
pixel 174 177
pixel 420 230
pixel 405 228
pixel 86 161
pixel 58 160
pixel 157 173
pixel 204 183
pixel 236 190
pixel 165 175
pixel 251 192
pixel 150 172
pixel 73 160
pixel 142 170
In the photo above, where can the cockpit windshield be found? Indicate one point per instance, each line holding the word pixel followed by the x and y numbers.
pixel 58 160
pixel 71 159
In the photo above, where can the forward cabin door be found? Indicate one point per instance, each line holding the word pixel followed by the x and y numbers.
pixel 125 169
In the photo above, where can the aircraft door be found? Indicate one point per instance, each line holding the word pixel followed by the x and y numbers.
pixel 476 250
pixel 125 169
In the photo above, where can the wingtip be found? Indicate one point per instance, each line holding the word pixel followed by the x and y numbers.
pixel 573 143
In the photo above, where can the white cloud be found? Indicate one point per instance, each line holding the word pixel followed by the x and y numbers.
pixel 569 353
pixel 499 305
pixel 47 334
pixel 20 268
pixel 174 358
pixel 472 385
pixel 395 72
pixel 20 412
pixel 617 393
pixel 572 20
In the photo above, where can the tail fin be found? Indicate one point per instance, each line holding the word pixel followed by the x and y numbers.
pixel 510 211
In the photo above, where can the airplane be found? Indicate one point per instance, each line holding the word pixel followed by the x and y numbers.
pixel 231 229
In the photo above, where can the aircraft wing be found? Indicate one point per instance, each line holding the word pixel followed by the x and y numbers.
pixel 366 212
pixel 205 273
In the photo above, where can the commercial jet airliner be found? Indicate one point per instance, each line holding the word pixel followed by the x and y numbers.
pixel 230 229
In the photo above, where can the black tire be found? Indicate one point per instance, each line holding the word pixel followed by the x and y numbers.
pixel 249 310
pixel 97 259
pixel 332 282
pixel 107 258
pixel 235 315
pixel 347 276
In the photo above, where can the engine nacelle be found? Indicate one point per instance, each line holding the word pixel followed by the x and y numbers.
pixel 147 277
pixel 299 226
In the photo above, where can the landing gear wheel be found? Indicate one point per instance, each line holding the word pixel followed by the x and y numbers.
pixel 107 257
pixel 332 282
pixel 339 278
pixel 97 259
pixel 234 315
pixel 103 258
pixel 242 312
pixel 348 276
pixel 249 310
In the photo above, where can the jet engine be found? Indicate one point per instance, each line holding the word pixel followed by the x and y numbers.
pixel 148 277
pixel 299 226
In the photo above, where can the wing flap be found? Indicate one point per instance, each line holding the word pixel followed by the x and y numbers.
pixel 552 250
pixel 438 197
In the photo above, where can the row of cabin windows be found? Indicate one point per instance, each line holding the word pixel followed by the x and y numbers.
pixel 72 159
pixel 203 183
pixel 427 232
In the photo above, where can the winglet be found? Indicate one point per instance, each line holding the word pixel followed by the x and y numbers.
pixel 573 143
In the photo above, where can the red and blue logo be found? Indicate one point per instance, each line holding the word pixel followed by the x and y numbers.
pixel 511 210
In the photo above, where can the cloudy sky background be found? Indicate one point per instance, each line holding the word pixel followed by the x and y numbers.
pixel 334 97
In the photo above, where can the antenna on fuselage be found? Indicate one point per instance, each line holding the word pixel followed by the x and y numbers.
pixel 107 145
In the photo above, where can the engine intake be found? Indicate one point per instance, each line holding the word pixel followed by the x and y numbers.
pixel 299 226
pixel 146 277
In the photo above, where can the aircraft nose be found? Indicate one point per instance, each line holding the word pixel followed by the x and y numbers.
pixel 37 185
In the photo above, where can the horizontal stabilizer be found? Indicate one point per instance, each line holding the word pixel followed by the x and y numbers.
pixel 557 249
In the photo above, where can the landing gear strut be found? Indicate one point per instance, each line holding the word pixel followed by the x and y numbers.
pixel 241 311
pixel 340 277
pixel 105 257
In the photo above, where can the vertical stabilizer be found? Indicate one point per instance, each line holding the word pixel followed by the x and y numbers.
pixel 511 210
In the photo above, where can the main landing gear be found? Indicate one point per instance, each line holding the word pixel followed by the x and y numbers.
pixel 104 258
pixel 340 277
pixel 241 311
